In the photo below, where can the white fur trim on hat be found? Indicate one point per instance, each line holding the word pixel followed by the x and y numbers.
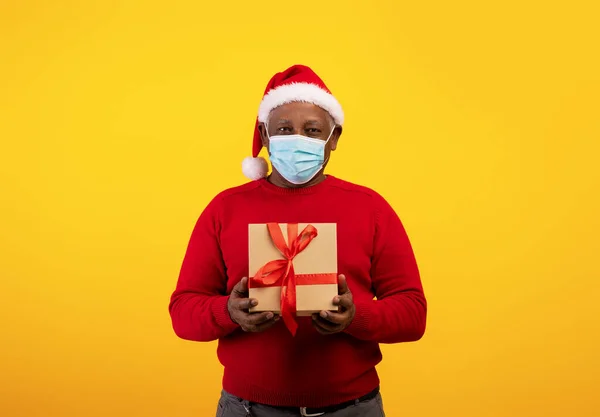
pixel 305 92
pixel 255 168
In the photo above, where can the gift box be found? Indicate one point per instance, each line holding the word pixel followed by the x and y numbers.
pixel 293 268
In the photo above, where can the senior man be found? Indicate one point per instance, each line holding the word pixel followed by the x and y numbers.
pixel 328 367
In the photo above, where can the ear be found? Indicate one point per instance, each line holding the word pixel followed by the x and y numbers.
pixel 263 135
pixel 335 136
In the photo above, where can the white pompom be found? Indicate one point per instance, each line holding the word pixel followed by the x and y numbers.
pixel 255 168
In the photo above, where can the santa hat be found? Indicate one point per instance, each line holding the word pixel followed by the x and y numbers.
pixel 297 83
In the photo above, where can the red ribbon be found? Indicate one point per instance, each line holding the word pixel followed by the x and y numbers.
pixel 280 272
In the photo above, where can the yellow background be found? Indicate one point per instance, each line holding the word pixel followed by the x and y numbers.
pixel 478 121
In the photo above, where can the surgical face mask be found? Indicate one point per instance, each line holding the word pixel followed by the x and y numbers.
pixel 297 158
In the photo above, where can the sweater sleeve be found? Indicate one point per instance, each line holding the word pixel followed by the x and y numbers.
pixel 198 306
pixel 398 314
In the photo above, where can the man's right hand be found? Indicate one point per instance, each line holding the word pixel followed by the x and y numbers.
pixel 238 306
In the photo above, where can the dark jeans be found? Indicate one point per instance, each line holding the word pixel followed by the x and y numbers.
pixel 232 406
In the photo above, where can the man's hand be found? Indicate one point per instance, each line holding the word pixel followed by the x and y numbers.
pixel 238 306
pixel 328 322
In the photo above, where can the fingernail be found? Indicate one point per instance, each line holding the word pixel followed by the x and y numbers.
pixel 323 314
pixel 336 300
pixel 254 303
pixel 269 316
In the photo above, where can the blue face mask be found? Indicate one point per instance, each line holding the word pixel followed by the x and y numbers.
pixel 297 158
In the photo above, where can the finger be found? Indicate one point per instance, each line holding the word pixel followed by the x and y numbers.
pixel 342 285
pixel 321 330
pixel 244 303
pixel 323 326
pixel 259 327
pixel 266 325
pixel 241 288
pixel 254 319
pixel 344 301
pixel 332 317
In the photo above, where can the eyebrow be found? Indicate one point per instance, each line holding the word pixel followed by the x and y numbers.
pixel 283 121
pixel 313 122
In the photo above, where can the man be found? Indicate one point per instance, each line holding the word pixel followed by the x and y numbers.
pixel 328 367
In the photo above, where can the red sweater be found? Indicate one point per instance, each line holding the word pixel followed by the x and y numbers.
pixel 310 369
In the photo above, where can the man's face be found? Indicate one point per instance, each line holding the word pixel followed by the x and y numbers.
pixel 302 119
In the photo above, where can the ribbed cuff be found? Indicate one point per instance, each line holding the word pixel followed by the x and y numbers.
pixel 221 314
pixel 361 323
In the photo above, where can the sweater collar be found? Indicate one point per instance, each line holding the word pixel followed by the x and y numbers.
pixel 299 190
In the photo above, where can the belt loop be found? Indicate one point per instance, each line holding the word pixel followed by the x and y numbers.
pixel 303 413
pixel 247 407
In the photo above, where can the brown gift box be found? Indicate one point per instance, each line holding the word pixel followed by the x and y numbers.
pixel 317 262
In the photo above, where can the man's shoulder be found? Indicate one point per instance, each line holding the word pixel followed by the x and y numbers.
pixel 356 189
pixel 241 190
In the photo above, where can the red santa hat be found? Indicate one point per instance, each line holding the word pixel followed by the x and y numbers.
pixel 297 83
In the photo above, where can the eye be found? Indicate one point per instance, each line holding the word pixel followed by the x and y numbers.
pixel 284 129
pixel 313 130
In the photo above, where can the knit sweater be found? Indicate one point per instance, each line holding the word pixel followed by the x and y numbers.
pixel 310 369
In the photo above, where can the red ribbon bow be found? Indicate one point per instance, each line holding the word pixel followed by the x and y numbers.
pixel 281 271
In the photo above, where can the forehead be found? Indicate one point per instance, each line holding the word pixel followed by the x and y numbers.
pixel 299 112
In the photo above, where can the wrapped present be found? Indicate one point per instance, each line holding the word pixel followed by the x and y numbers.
pixel 293 273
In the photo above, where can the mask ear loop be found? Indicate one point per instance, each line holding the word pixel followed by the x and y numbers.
pixel 331 133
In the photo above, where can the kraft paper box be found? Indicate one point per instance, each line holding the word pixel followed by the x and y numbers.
pixel 314 267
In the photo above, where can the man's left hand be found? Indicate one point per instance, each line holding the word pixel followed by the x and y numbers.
pixel 330 322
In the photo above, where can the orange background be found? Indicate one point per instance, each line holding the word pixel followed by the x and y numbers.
pixel 478 121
